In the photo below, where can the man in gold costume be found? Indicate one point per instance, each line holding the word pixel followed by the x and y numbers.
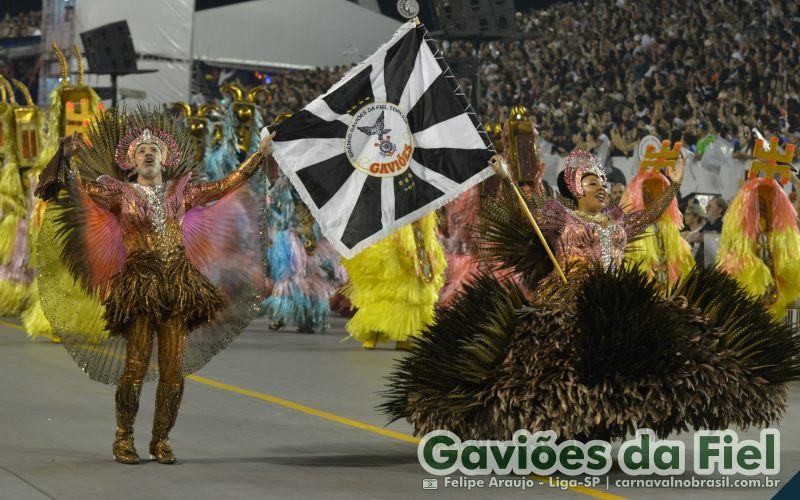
pixel 153 257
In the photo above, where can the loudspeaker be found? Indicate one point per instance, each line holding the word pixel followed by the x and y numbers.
pixel 474 15
pixel 109 49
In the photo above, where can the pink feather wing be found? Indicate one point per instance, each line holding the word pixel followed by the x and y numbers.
pixel 222 234
pixel 103 241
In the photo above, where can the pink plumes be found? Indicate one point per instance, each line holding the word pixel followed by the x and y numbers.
pixel 633 198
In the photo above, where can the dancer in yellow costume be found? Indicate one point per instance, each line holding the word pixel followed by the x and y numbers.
pixel 14 275
pixel 760 244
pixel 72 105
pixel 395 284
pixel 760 241
pixel 659 251
pixel 20 137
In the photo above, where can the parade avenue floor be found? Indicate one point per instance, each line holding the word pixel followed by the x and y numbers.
pixel 276 415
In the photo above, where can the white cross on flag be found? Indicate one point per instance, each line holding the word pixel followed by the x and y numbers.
pixel 394 139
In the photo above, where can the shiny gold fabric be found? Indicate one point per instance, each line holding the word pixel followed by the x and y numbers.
pixel 149 287
pixel 171 334
pixel 168 401
pixel 127 405
pixel 134 211
pixel 157 282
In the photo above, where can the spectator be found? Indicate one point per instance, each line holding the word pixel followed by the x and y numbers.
pixel 715 211
pixel 705 141
pixel 21 25
pixel 655 67
pixel 617 190
pixel 694 218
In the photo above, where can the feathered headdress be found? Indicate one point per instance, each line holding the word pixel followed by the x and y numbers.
pixel 115 134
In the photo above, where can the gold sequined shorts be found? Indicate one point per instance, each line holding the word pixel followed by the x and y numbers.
pixel 158 289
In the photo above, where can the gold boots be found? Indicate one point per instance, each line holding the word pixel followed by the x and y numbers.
pixel 127 401
pixel 168 400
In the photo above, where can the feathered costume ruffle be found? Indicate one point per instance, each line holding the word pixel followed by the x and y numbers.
pixel 33 317
pixel 15 271
pixel 610 355
pixel 738 242
pixel 615 359
pixel 156 288
pixel 15 274
pixel 387 287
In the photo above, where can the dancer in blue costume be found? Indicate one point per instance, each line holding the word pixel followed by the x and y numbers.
pixel 303 265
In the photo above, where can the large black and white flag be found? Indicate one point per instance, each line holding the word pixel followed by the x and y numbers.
pixel 394 139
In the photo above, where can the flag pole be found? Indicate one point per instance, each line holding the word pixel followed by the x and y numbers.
pixel 499 168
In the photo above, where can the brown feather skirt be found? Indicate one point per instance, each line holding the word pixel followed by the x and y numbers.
pixel 159 288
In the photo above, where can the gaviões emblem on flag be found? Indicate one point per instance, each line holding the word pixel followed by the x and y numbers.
pixel 371 149
pixel 394 139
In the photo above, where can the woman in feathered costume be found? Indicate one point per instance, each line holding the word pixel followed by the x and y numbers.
pixel 175 263
pixel 760 244
pixel 303 264
pixel 600 355
pixel 660 251
pixel 394 284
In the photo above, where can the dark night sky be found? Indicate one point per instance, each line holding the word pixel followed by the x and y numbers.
pixel 17 6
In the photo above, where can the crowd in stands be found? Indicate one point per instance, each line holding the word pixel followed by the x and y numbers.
pixel 600 75
pixel 21 25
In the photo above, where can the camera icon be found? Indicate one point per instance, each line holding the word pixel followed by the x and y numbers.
pixel 430 484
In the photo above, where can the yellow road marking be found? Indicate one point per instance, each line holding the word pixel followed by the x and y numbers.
pixel 305 409
pixel 12 325
pixel 344 420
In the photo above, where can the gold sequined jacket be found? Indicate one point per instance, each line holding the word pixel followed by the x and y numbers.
pixel 151 217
